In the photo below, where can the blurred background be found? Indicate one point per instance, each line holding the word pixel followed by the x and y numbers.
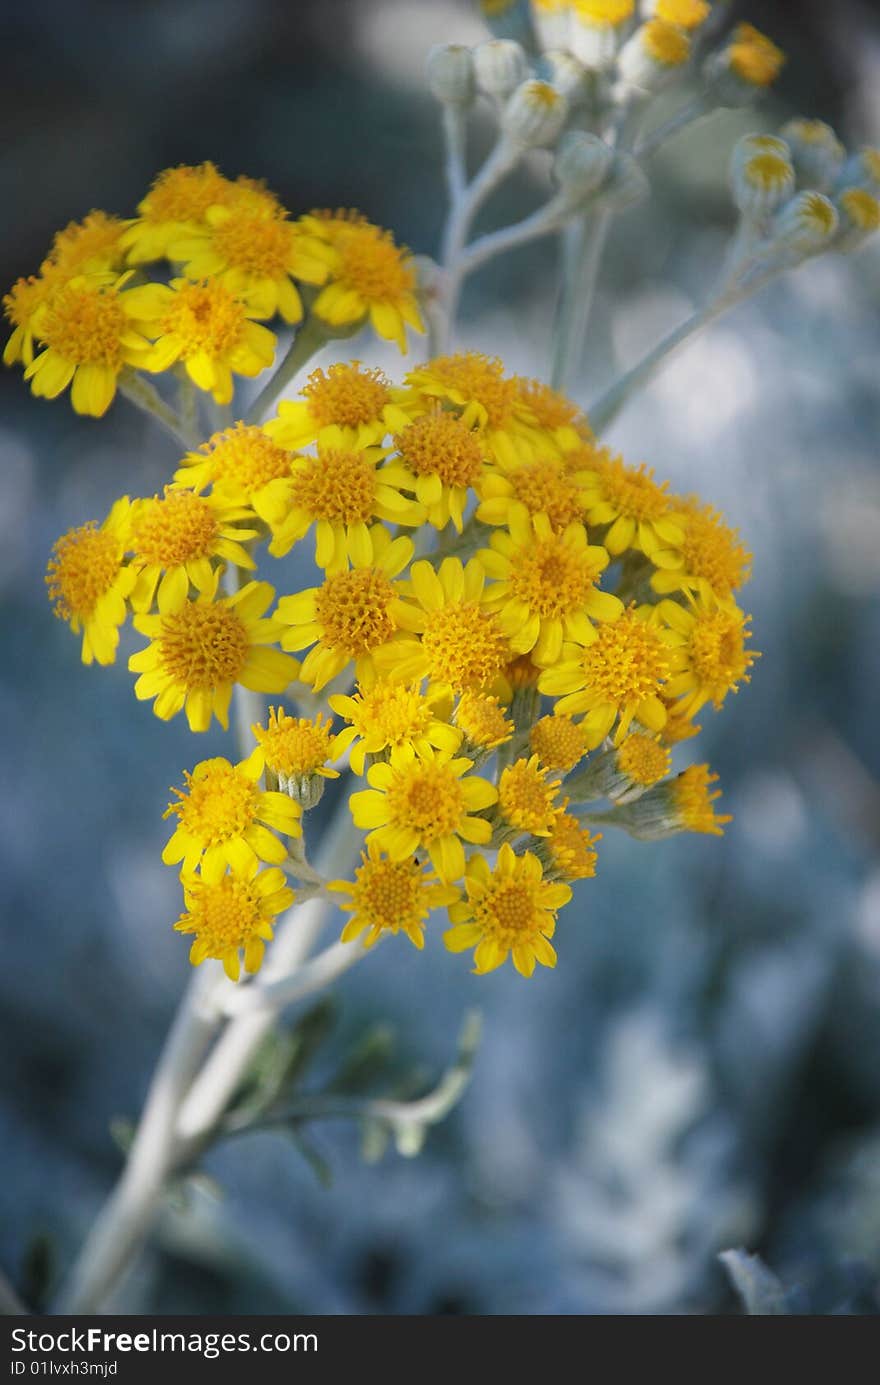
pixel 701 1071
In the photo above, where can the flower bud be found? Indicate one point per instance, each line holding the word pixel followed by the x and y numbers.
pixel 510 19
pixel 551 19
pixel 534 115
pixel 654 55
pixel 500 66
pixel 621 773
pixel 683 804
pixel 816 152
pixel 740 71
pixel 761 175
pixel 626 184
pixel 859 212
pixel 451 74
pixel 582 163
pixel 684 14
pixel 806 225
pixel 563 71
pixel 598 28
pixel 862 170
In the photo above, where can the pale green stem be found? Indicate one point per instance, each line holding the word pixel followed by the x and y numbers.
pixel 545 220
pixel 308 340
pixel 188 409
pixel 583 258
pixel 248 708
pixel 146 397
pixel 694 110
pixel 455 135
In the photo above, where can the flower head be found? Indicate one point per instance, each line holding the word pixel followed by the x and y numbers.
pixel 526 800
pixel 178 202
pixel 88 583
pixel 635 508
pixel 709 551
pixel 390 897
pixel 346 396
pixel 427 802
pixel 642 760
pixel 484 721
pixel 709 637
pixel 683 804
pixel 754 57
pixel 446 458
pixel 569 848
pixel 296 751
pixel 200 649
pixel 558 741
pixel 233 915
pixel 370 277
pixel 544 487
pixel 20 308
pixel 224 819
pixel 385 716
pixel 89 246
pixel 510 910
pixel 175 540
pixel 684 14
pixel 476 389
pixel 238 464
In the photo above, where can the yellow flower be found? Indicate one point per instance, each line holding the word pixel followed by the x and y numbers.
pixel 620 673
pixel 90 331
pixel 20 307
pixel 754 57
pixel 554 414
pixel 297 748
pixel 460 646
pixel 350 615
pixel 221 816
pixel 256 253
pixel 544 487
pixel 694 799
pixel 341 492
pixel 482 719
pixel 709 551
pixel 238 464
pixel 684 14
pixel 546 589
pixel 643 760
pixel 509 910
pixel 526 801
pixel 447 459
pixel 570 848
pixel 199 649
pixel 558 742
pixel 484 398
pixel 346 396
pixel 390 897
pixel 370 277
pixel 611 13
pixel 178 201
pixel 175 538
pixel 388 715
pixel 88 583
pixel 424 802
pixel 206 328
pixel 709 637
pixel 232 915
pixel 636 509
pixel 88 246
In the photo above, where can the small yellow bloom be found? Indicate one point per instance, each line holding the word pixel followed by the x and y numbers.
pixel 558 742
pixel 296 751
pixel 483 720
pixel 447 459
pixel 232 915
pixel 370 277
pixel 390 897
pixel 570 848
pixel 346 396
pixel 510 910
pixel 178 201
pixel 424 802
pixel 526 800
pixel 684 14
pixel 224 819
pixel 484 398
pixel 389 715
pixel 643 760
pixel 554 416
pixel 238 464
pixel 206 328
pixel 544 487
pixel 174 539
pixel 20 306
pixel 546 590
pixel 351 615
pixel 88 584
pixel 709 551
pixel 89 246
pixel 199 649
pixel 635 508
pixel 694 799
pixel 709 637
pixel 754 57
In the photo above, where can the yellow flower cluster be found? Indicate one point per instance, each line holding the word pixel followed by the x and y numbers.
pixel 508 622
pixel 97 312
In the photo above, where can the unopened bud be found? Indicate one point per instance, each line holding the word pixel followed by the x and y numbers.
pixel 684 14
pixel 626 184
pixel 563 71
pixel 859 212
pixel 806 225
pixel 582 163
pixel 816 152
pixel 653 56
pixel 534 115
pixel 862 170
pixel 500 66
pixel 451 74
pixel 741 71
pixel 761 174
pixel 598 27
pixel 551 19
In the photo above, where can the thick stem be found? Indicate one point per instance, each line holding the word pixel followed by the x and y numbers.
pixel 583 258
pixel 308 340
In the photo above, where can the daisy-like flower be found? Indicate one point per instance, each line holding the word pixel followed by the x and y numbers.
pixel 370 277
pixel 233 915
pixel 390 897
pixel 544 487
pixel 557 419
pixel 546 590
pixel 296 751
pixel 237 464
pixel 597 29
pixel 637 511
pixel 510 910
pixel 618 676
pixel 345 396
pixel 484 722
pixel 558 742
pixel 683 804
pixel 175 540
pixel 569 849
pixel 200 649
pixel 89 246
pixel 91 330
pixel 710 551
pixel 454 641
pixel 206 328
pixel 178 202
pixel 256 252
pixel 224 819
pixel 526 799
pixel 20 308
pixel 88 583
pixel 484 398
pixel 709 638
pixel 447 459
pixel 424 802
pixel 341 491
pixel 351 615
pixel 389 715
pixel 623 772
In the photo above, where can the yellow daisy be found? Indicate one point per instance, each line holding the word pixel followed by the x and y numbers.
pixel 224 819
pixel 709 638
pixel 237 464
pixel 88 583
pixel 20 307
pixel 483 397
pixel 345 396
pixel 296 750
pixel 709 551
pixel 558 742
pixel 178 201
pixel 233 915
pixel 544 487
pixel 175 540
pixel 89 246
pixel 447 458
pixel 424 802
pixel 388 715
pixel 390 897
pixel 199 649
pixel 351 615
pixel 509 911
pixel 637 511
pixel 370 277
pixel 545 590
pixel 570 850
pixel 526 799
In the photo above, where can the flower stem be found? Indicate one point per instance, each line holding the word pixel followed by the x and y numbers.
pixel 308 340
pixel 146 397
pixel 582 259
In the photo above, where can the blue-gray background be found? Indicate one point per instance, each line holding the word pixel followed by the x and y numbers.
pixel 702 1068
